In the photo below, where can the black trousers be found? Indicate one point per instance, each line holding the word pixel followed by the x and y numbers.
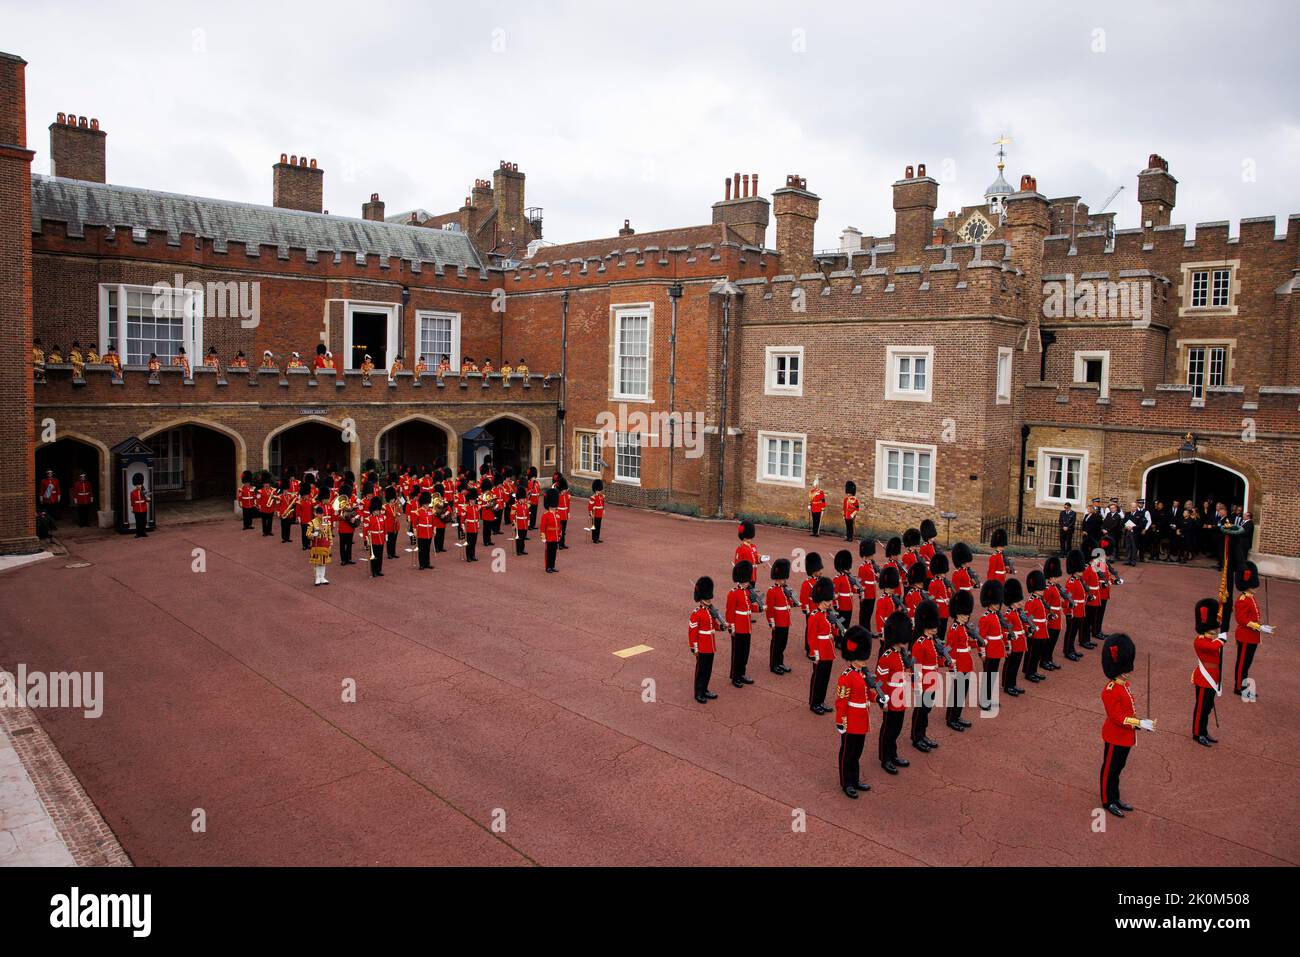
pixel 487 531
pixel 1037 649
pixel 1245 656
pixel 471 542
pixel 83 515
pixel 848 529
pixel 1012 670
pixel 818 681
pixel 248 517
pixel 780 638
pixel 989 682
pixel 1073 629
pixel 1091 623
pixel 390 541
pixel 703 664
pixel 816 523
pixel 440 539
pixel 595 529
pixel 267 519
pixel 552 548
pixel 1113 760
pixel 141 524
pixel 345 548
pixel 958 693
pixel 920 718
pixel 1067 539
pixel 1101 617
pixel 564 533
pixel 890 728
pixel 376 555
pixel 306 542
pixel 1053 636
pixel 422 550
pixel 1201 711
pixel 532 515
pixel 739 655
pixel 520 538
pixel 851 758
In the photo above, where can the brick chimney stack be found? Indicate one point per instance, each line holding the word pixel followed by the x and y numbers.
pixel 796 215
pixel 373 210
pixel 743 209
pixel 916 197
pixel 77 148
pixel 17 437
pixel 1157 191
pixel 297 183
pixel 508 198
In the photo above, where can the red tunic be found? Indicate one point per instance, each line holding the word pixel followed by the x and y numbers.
pixel 740 613
pixel 596 505
pixel 1206 673
pixel 51 493
pixel 927 551
pixel 778 607
pixel 1055 612
pixel 1092 586
pixel 939 593
pixel 266 500
pixel 1036 611
pixel 470 519
pixel 885 607
pixel 997 570
pixel 1078 597
pixel 851 506
pixel 82 493
pixel 892 675
pixel 1245 612
pixel 563 507
pixel 962 581
pixel 843 593
pixel 550 527
pixel 819 637
pixel 139 501
pixel 867 576
pixel 995 639
pixel 963 656
pixel 247 496
pixel 747 552
pixel 817 501
pixel 1117 699
pixel 926 657
pixel 1019 631
pixel 851 711
pixel 422 520
pixel 375 532
pixel 521 513
pixel 699 633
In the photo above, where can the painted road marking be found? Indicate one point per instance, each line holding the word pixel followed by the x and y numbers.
pixel 634 650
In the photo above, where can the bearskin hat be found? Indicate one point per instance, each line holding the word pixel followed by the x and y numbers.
pixel 746 530
pixel 912 537
pixel 1052 567
pixel 917 575
pixel 424 498
pixel 598 485
pixel 812 562
pixel 928 531
pixel 939 564
pixel 552 499
pixel 1207 615
pixel 376 504
pixel 823 590
pixel 894 547
pixel 866 548
pixel 889 578
pixel 471 494
pixel 843 560
pixel 898 629
pixel 991 593
pixel 742 572
pixel 1036 581
pixel 961 555
pixel 999 538
pixel 1117 656
pixel 1075 562
pixel 704 588
pixel 927 616
pixel 390 494
pixel 1247 577
pixel 247 476
pixel 780 569
pixel 961 603
pixel 857 644
pixel 850 488
pixel 1013 593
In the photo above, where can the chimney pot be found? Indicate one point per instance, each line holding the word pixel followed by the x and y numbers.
pixel 313 163
pixel 754 182
pixel 61 118
pixel 284 157
pixel 907 173
pixel 920 170
pixel 728 188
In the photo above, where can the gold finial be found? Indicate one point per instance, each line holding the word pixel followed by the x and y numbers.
pixel 1001 143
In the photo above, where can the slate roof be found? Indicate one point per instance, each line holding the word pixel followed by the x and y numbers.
pixel 79 204
pixel 690 236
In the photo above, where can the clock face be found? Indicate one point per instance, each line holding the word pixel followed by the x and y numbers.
pixel 976 229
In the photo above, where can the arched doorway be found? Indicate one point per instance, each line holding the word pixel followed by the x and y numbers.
pixel 311 444
pixel 512 443
pixel 194 462
pixel 1175 481
pixel 415 441
pixel 69 458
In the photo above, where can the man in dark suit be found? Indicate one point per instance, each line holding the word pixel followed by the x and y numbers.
pixel 1065 522
pixel 1112 524
pixel 1092 521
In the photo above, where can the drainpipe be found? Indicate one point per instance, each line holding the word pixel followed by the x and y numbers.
pixel 564 380
pixel 674 294
pixel 722 412
pixel 1020 498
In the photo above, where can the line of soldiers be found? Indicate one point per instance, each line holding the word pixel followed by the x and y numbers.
pixel 334 507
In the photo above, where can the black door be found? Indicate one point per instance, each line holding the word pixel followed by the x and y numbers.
pixel 369 337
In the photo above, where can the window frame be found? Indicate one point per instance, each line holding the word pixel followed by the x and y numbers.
pixel 882 490
pixel 1042 496
pixel 454 355
pixel 191 319
pixel 619 444
pixel 1002 389
pixel 764 477
pixel 617 315
pixel 892 356
pixel 770 356
pixel 174 438
pixel 1220 297
pixel 597 452
pixel 1081 358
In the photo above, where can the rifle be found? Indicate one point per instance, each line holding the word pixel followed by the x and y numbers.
pixel 974 635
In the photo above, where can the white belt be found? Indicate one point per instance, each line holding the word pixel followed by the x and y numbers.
pixel 857 704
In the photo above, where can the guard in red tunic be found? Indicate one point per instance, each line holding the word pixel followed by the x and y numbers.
pixel 470 523
pixel 562 509
pixel 893 553
pixel 994 636
pixel 139 506
pixel 812 564
pixel 997 570
pixel 851 509
pixel 1249 624
pixel 854 691
pixel 487 510
pixel 702 625
pixel 845 586
pixel 1035 615
pixel 422 523
pixel 1077 593
pixel 940 590
pixel 306 509
pixel 376 532
pixel 816 506
pixel 868 576
pixel 1092 597
pixel 747 551
pixel 887 601
pixel 247 497
pixel 963 577
pixel 1057 600
pixel 918 580
pixel 740 620
pixel 520 513
pixel 1013 596
pixel 83 497
pixel 50 493
pixel 596 509
pixel 928 534
pixel 551 536
pixel 911 550
pixel 821 645
pixel 266 503
pixel 927 657
pixel 962 644
pixel 892 671
pixel 779 604
pixel 1206 679
pixel 1118 730
pixel 534 496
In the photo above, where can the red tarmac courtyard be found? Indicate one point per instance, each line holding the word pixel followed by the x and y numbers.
pixel 495 725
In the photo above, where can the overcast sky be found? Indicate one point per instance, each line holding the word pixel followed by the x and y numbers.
pixel 640 110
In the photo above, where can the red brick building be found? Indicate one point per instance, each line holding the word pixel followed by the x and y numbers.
pixel 989 364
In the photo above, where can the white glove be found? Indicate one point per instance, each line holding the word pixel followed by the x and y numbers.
pixel 766 558
pixel 1267 629
pixel 1146 724
pixel 1223 636
pixel 840 728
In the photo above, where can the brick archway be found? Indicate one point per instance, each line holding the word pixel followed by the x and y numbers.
pixel 353 446
pixel 103 474
pixel 1256 491
pixel 241 447
pixel 453 437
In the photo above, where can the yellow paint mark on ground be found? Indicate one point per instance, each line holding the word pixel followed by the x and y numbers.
pixel 633 651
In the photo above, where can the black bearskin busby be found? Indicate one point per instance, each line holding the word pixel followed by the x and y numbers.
pixel 812 562
pixel 889 578
pixel 857 644
pixel 1052 567
pixel 704 589
pixel 745 530
pixel 999 538
pixel 894 547
pixel 850 488
pixel 916 575
pixel 939 565
pixel 912 538
pixel 961 555
pixel 898 630
pixel 961 603
pixel 1247 577
pixel 598 485
pixel 1036 581
pixel 928 531
pixel 866 548
pixel 742 572
pixel 1117 656
pixel 843 560
pixel 991 594
pixel 823 590
pixel 927 616
pixel 1013 593
pixel 552 499
pixel 1075 562
pixel 1207 615
pixel 780 569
